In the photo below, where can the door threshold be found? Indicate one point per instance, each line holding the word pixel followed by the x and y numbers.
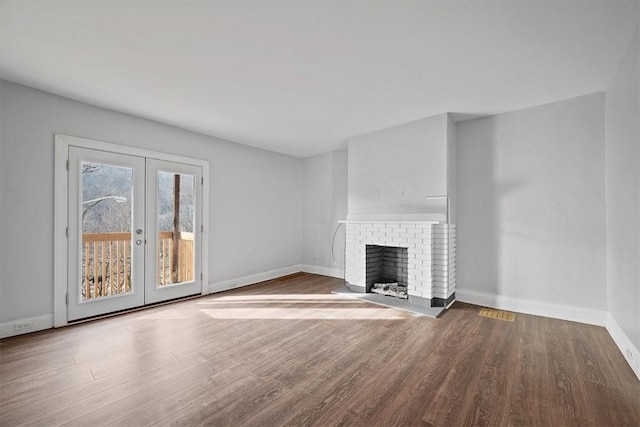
pixel 132 310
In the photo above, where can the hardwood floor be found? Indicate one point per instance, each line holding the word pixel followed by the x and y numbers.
pixel 288 352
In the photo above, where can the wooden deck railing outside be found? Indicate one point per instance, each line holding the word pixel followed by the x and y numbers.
pixel 106 262
pixel 166 270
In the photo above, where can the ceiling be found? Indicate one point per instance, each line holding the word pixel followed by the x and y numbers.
pixel 301 77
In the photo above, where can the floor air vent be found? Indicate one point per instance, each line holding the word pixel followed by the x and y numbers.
pixel 497 314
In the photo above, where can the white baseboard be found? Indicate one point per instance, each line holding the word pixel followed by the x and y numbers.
pixel 33 324
pixel 628 350
pixel 225 285
pixel 556 311
pixel 325 271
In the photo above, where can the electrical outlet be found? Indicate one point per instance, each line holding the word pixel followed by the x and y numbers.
pixel 22 326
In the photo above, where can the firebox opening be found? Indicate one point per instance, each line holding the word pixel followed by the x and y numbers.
pixel 387 270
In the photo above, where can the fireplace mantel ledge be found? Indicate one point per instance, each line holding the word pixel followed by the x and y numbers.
pixel 424 217
pixel 415 221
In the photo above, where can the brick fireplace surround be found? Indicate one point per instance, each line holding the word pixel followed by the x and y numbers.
pixel 431 249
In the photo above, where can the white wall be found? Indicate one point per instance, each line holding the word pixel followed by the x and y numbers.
pixel 325 203
pixel 452 148
pixel 623 194
pixel 531 214
pixel 392 170
pixel 255 208
pixel 2 172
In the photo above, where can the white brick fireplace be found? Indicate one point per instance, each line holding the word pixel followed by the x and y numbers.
pixel 430 257
pixel 402 194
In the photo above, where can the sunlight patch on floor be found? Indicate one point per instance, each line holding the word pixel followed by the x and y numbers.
pixel 278 297
pixel 161 315
pixel 306 313
pixel 317 301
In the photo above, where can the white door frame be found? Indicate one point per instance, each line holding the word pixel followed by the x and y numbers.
pixel 61 214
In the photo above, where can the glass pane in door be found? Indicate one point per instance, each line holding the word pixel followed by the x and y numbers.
pixel 105 207
pixel 176 219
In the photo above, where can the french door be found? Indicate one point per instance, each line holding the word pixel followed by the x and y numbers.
pixel 134 231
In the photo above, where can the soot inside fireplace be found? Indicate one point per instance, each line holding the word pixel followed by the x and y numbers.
pixel 387 270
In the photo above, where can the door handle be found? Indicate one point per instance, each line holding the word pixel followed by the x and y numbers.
pixel 138 242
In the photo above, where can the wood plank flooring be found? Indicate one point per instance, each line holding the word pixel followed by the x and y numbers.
pixel 288 352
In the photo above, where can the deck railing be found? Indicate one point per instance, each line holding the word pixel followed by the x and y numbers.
pixel 167 271
pixel 106 262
